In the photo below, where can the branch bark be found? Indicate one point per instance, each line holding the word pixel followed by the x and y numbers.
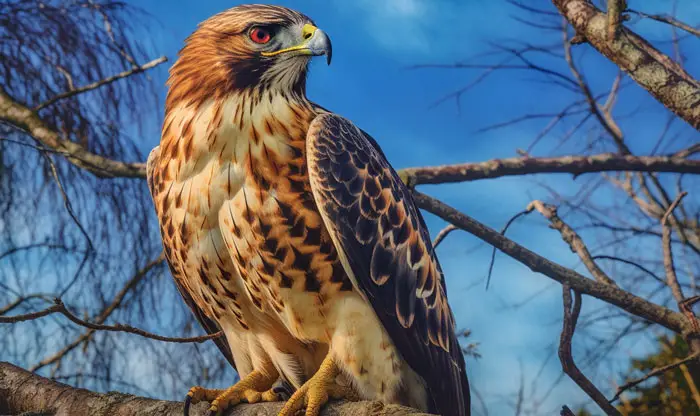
pixel 667 81
pixel 22 391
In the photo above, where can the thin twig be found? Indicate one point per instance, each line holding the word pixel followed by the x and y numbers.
pixel 572 239
pixel 671 278
pixel 571 314
pixel 102 82
pixel 493 252
pixel 653 373
pixel 59 307
pixel 442 234
pixel 668 20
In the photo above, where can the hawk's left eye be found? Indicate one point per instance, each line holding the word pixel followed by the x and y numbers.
pixel 260 35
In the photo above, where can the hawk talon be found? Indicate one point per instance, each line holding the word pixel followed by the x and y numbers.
pixel 250 388
pixel 317 391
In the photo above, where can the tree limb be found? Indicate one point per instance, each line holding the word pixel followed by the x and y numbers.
pixel 608 293
pixel 21 391
pixel 667 81
pixel 576 165
pixel 571 313
pixel 572 239
pixel 22 117
pixel 653 373
pixel 59 307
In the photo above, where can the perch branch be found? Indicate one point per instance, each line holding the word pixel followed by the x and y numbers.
pixel 22 392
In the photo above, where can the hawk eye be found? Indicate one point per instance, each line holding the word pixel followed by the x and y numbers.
pixel 260 35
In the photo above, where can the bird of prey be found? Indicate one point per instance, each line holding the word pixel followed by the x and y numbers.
pixel 286 228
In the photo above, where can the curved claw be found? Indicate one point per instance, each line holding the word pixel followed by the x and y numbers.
pixel 188 401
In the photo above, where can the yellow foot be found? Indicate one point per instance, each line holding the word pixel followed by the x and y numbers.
pixel 251 388
pixel 317 390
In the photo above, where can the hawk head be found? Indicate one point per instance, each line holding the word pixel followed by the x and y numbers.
pixel 248 47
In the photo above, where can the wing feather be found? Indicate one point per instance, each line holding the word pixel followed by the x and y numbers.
pixel 383 239
pixel 209 325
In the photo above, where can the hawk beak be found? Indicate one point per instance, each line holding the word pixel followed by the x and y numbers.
pixel 315 43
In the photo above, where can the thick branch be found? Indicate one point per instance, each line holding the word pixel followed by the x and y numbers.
pixel 667 81
pixel 24 118
pixel 527 165
pixel 21 391
pixel 608 293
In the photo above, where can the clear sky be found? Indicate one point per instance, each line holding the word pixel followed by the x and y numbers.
pixel 369 82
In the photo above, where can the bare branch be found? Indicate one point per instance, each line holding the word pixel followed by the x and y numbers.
pixel 572 239
pixel 571 314
pixel 442 234
pixel 576 165
pixel 653 373
pixel 104 314
pixel 671 278
pixel 651 69
pixel 615 9
pixel 24 118
pixel 102 82
pixel 669 20
pixel 611 294
pixel 59 307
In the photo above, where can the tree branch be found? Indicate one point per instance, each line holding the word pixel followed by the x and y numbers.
pixel 608 293
pixel 571 314
pixel 104 314
pixel 21 391
pixel 102 82
pixel 24 118
pixel 572 239
pixel 668 20
pixel 576 165
pixel 667 81
pixel 59 307
pixel 653 373
pixel 671 278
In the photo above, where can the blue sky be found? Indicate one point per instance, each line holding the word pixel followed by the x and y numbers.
pixel 369 82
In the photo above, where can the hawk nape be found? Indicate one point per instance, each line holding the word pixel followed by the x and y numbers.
pixel 286 228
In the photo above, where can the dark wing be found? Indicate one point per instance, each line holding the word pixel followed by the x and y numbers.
pixel 210 326
pixel 385 247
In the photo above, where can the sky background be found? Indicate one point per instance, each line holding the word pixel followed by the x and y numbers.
pixel 371 81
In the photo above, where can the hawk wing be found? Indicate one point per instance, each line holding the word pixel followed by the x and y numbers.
pixel 209 325
pixel 385 248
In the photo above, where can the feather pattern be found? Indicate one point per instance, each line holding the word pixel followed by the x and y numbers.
pixel 386 250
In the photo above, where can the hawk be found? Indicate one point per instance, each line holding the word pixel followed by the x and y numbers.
pixel 286 228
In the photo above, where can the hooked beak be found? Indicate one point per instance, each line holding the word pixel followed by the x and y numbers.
pixel 315 43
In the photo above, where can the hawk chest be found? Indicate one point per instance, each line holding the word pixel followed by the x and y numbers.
pixel 280 246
